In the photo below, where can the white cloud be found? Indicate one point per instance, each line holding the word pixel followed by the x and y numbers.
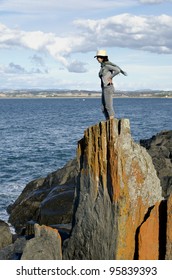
pixel 149 33
pixel 37 36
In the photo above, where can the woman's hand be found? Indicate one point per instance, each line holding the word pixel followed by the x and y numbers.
pixel 110 81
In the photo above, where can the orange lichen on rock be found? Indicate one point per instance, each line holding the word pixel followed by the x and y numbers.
pixel 169 229
pixel 137 173
pixel 148 238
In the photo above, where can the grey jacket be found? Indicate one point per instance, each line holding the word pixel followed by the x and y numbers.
pixel 107 71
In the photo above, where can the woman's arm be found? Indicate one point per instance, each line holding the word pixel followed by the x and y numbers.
pixel 115 70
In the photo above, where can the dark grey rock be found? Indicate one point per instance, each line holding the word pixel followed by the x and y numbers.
pixel 56 208
pixel 42 199
pixel 13 251
pixel 160 149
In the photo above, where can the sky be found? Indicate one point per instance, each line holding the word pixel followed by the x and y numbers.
pixel 52 44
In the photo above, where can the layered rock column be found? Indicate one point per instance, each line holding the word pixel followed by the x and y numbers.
pixel 117 185
pixel 169 229
pixel 148 236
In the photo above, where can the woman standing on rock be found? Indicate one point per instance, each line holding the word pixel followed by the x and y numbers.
pixel 107 71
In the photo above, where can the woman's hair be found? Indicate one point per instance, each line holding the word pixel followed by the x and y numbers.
pixel 105 58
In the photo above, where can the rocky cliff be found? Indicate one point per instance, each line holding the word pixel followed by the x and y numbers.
pixel 117 186
pixel 118 210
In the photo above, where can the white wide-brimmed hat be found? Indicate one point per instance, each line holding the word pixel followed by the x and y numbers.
pixel 101 53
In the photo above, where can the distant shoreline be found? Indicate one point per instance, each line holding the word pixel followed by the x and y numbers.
pixel 82 94
pixel 80 97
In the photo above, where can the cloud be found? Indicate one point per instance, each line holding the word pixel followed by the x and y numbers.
pixel 13 68
pixel 148 33
pixel 57 47
pixel 37 60
pixel 77 67
pixel 39 63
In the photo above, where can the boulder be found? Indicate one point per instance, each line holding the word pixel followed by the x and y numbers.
pixel 46 245
pixel 117 184
pixel 14 250
pixel 38 243
pixel 159 147
pixel 44 200
pixel 5 234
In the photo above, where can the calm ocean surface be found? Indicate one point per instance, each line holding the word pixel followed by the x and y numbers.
pixel 38 136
